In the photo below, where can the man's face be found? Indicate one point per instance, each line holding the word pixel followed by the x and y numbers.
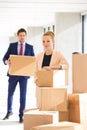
pixel 22 37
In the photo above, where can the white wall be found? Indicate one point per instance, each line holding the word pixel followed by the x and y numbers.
pixel 4 42
pixel 35 38
pixel 68 37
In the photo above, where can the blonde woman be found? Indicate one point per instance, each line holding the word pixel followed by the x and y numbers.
pixel 50 58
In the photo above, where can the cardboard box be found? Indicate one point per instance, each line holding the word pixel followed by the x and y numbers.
pixel 79 73
pixel 22 65
pixel 60 126
pixel 52 78
pixel 78 108
pixel 30 109
pixel 36 117
pixel 51 99
pixel 63 115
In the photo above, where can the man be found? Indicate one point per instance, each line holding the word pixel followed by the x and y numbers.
pixel 17 48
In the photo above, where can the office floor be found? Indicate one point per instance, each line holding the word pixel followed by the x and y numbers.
pixel 12 123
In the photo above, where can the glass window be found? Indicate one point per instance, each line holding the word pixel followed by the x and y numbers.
pixel 84 34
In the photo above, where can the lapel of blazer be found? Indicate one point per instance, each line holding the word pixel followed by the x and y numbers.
pixel 16 47
pixel 25 49
pixel 41 60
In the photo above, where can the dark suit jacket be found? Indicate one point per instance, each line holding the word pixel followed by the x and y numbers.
pixel 13 50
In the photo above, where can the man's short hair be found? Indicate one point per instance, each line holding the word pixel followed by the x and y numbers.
pixel 21 30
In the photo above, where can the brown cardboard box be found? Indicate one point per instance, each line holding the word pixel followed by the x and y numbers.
pixel 51 99
pixel 36 117
pixel 22 65
pixel 52 78
pixel 63 115
pixel 60 126
pixel 78 108
pixel 30 109
pixel 79 73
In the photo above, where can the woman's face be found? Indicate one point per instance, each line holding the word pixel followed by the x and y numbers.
pixel 47 42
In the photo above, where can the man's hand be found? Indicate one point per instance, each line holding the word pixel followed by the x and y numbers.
pixel 36 82
pixel 8 62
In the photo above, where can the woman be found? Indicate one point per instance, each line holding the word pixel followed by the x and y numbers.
pixel 49 59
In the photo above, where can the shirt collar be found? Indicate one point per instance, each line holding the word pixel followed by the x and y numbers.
pixel 23 43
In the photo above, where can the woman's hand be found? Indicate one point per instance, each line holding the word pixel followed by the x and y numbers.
pixel 54 67
pixel 47 68
pixel 57 67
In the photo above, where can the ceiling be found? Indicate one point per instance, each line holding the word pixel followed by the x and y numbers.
pixel 17 13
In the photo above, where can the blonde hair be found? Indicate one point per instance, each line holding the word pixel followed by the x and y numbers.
pixel 51 34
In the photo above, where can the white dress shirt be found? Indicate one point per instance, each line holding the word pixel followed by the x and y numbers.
pixel 19 47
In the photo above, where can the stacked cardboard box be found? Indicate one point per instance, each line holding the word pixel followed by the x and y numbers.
pixel 78 108
pixel 52 78
pixel 35 117
pixel 51 92
pixel 79 73
pixel 51 99
pixel 77 100
pixel 63 116
pixel 60 126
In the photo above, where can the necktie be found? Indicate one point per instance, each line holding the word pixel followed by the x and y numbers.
pixel 21 49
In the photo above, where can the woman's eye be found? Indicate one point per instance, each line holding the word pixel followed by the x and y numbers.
pixel 48 41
